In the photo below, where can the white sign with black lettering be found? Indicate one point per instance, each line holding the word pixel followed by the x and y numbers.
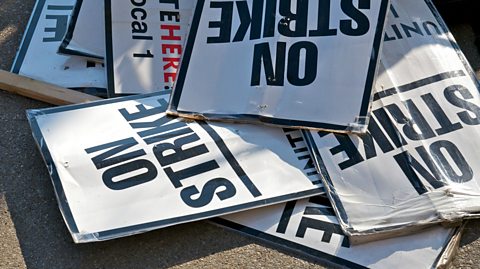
pixel 307 64
pixel 37 57
pixel 121 166
pixel 144 43
pixel 86 31
pixel 418 163
pixel 309 226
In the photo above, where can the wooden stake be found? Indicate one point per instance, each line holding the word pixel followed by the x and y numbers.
pixel 42 91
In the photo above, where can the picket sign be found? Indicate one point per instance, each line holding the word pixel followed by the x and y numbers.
pixel 418 163
pixel 309 227
pixel 121 166
pixel 302 64
pixel 144 44
pixel 87 40
pixel 37 57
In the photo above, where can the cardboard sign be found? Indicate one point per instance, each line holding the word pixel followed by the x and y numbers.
pixel 144 44
pixel 37 57
pixel 418 163
pixel 308 64
pixel 121 166
pixel 88 39
pixel 310 227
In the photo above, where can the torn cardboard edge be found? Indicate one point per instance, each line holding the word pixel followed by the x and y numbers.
pixel 270 122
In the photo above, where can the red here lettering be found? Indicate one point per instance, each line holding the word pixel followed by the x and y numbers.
pixel 171 32
pixel 169 77
pixel 171 62
pixel 172 48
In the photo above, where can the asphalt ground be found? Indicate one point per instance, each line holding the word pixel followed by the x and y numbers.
pixel 32 231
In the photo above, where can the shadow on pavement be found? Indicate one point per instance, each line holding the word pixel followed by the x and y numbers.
pixel 41 232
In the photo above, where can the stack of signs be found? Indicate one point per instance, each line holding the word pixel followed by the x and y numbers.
pixel 122 166
pixel 414 166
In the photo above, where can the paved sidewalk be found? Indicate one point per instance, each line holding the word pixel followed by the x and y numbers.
pixel 32 231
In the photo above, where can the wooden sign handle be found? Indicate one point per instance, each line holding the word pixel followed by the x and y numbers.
pixel 42 91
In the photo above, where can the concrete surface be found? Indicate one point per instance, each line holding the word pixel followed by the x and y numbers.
pixel 32 231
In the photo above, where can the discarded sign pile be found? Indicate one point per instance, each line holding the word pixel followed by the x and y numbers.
pixel 360 110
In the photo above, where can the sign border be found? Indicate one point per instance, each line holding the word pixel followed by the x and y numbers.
pixel 110 72
pixel 27 37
